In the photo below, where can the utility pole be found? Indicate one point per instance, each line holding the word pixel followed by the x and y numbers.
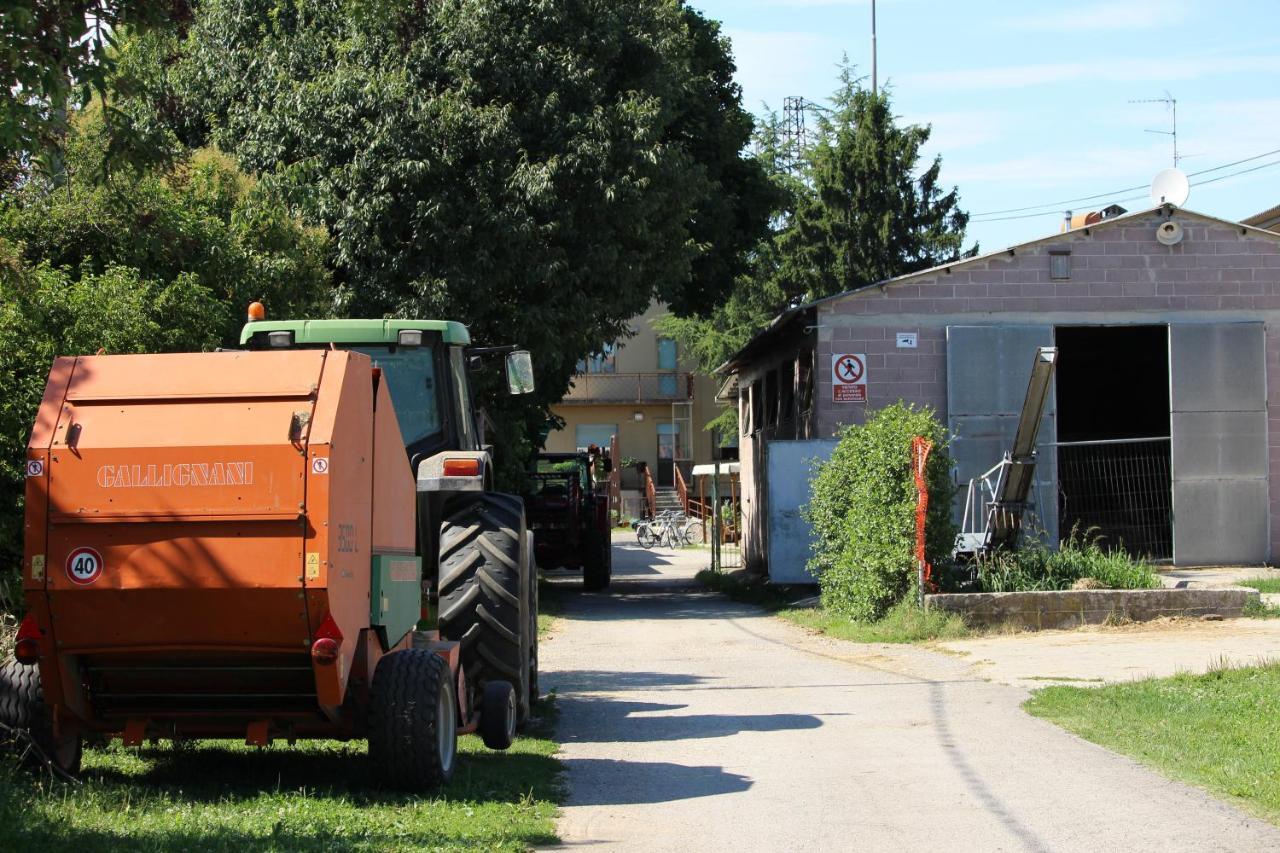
pixel 873 47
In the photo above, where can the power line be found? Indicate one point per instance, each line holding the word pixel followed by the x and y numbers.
pixel 1055 204
pixel 1140 197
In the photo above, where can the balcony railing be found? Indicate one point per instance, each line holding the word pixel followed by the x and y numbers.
pixel 630 388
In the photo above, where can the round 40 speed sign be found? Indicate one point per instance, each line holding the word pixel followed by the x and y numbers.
pixel 84 566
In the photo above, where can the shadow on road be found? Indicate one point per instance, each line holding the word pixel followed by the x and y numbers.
pixel 615 721
pixel 626 782
pixel 601 680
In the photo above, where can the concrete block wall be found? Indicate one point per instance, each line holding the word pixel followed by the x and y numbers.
pixel 1119 274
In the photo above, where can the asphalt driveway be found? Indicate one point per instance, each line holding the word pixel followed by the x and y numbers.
pixel 693 723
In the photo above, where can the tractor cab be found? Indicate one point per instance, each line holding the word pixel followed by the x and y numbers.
pixel 425 365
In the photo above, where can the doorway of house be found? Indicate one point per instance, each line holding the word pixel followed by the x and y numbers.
pixel 668 449
pixel 1113 450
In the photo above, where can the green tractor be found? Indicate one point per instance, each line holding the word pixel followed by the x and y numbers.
pixel 477 554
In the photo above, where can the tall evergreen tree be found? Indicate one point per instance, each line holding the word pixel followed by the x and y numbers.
pixel 873 213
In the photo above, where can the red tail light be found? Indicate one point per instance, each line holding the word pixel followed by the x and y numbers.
pixel 328 642
pixel 462 467
pixel 27 648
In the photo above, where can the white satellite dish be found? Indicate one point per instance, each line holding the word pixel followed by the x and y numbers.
pixel 1170 186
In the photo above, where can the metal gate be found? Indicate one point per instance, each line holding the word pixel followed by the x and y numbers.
pixel 789 469
pixel 1120 490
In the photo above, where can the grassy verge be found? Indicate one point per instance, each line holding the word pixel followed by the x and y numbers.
pixel 315 796
pixel 1079 559
pixel 550 606
pixel 905 623
pixel 1210 730
pixel 1261 584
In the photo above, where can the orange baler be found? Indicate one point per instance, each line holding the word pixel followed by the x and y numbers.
pixel 223 545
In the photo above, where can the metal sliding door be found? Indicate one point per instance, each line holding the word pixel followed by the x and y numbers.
pixel 1221 502
pixel 988 368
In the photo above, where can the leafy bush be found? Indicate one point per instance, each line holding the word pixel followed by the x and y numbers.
pixel 863 509
pixel 1034 567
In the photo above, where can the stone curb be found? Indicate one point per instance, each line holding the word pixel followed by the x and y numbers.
pixel 1071 608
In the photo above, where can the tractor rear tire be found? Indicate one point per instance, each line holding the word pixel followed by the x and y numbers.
pixel 22 707
pixel 534 696
pixel 595 562
pixel 413 720
pixel 498 715
pixel 485 592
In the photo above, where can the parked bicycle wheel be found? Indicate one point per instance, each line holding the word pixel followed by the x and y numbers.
pixel 645 536
pixel 694 532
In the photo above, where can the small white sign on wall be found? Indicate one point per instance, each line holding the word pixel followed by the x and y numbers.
pixel 906 340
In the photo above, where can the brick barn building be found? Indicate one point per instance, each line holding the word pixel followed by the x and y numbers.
pixel 1163 429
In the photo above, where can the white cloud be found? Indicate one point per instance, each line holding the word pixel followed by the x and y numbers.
pixel 1144 15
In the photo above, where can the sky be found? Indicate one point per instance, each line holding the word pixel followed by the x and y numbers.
pixel 1031 103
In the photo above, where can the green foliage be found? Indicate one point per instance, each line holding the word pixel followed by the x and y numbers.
pixel 540 171
pixel 57 57
pixel 1270 584
pixel 1033 567
pixel 863 507
pixel 873 213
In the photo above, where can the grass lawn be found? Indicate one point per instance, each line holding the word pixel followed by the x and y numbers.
pixel 1213 730
pixel 905 623
pixel 1261 584
pixel 319 795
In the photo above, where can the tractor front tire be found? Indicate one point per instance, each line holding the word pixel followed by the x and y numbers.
pixel 486 601
pixel 22 708
pixel 596 568
pixel 498 715
pixel 413 720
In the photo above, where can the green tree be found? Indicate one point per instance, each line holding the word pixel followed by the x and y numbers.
pixel 539 170
pixel 55 57
pixel 855 212
pixel 873 214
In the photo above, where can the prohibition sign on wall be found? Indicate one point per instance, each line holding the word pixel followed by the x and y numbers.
pixel 848 378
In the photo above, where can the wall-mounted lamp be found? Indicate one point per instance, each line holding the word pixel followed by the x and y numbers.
pixel 639 416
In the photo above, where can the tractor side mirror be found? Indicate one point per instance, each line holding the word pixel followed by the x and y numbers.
pixel 520 372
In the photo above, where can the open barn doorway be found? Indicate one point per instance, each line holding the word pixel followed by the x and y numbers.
pixel 1114 471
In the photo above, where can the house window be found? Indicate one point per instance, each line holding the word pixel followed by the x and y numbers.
pixel 1059 265
pixel 585 435
pixel 605 361
pixel 666 354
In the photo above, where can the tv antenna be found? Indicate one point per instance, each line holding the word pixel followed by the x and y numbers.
pixel 1171 103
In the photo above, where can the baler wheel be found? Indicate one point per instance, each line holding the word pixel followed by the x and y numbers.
pixel 22 707
pixel 498 715
pixel 485 592
pixel 413 720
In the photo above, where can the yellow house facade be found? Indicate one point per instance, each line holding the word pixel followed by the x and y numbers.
pixel 646 393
